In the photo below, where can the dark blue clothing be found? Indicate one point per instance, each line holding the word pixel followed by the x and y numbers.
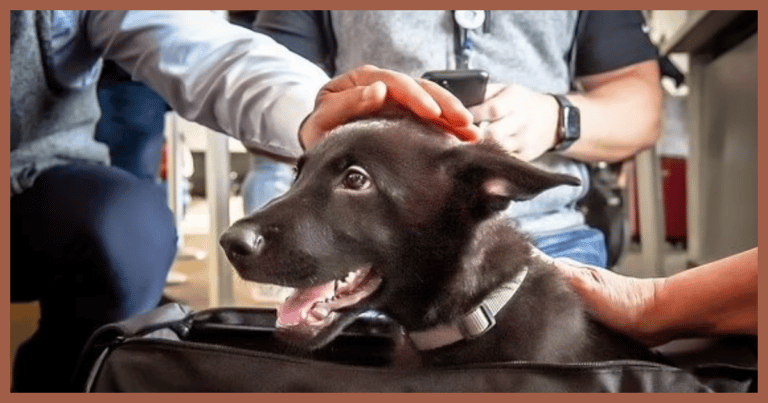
pixel 94 245
pixel 132 122
pixel 131 125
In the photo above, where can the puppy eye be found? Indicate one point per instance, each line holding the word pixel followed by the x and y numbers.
pixel 355 178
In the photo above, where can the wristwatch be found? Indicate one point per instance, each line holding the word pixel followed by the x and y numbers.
pixel 568 123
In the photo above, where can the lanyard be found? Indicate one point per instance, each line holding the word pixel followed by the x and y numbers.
pixel 463 21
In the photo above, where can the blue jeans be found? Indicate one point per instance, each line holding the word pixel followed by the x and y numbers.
pixel 93 244
pixel 132 122
pixel 266 180
pixel 585 245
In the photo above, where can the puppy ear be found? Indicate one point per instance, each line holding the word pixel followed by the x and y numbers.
pixel 493 178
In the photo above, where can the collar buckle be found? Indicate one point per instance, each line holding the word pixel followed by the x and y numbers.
pixel 477 323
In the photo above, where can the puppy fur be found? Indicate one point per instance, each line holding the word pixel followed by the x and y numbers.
pixel 423 212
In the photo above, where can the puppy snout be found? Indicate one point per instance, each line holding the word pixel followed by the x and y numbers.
pixel 239 242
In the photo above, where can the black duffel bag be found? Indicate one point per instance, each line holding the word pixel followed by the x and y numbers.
pixel 173 349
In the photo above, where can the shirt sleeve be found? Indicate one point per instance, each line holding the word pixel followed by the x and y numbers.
pixel 225 77
pixel 611 40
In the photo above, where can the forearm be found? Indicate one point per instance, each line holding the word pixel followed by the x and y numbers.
pixel 714 299
pixel 620 113
pixel 222 76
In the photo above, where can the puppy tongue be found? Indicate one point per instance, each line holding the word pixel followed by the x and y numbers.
pixel 310 310
pixel 296 309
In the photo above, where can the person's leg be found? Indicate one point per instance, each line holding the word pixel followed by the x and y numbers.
pixel 266 180
pixel 93 244
pixel 585 245
pixel 132 122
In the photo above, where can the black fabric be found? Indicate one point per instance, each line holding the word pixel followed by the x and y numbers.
pixel 611 40
pixel 94 245
pixel 603 208
pixel 166 366
pixel 233 350
pixel 308 33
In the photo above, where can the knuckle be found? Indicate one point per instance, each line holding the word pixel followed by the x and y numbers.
pixel 495 111
pixel 368 68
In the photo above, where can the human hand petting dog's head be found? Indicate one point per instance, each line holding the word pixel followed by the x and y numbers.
pixel 369 89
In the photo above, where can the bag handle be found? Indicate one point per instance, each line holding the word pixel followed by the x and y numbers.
pixel 107 335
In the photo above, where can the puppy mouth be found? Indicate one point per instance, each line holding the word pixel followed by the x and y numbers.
pixel 311 317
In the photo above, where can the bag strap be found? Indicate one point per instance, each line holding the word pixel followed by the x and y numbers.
pixel 581 23
pixel 329 41
pixel 156 318
pixel 104 337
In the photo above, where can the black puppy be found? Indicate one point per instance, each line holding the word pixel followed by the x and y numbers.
pixel 391 215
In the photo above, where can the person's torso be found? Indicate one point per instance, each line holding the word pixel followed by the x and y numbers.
pixel 529 48
pixel 54 108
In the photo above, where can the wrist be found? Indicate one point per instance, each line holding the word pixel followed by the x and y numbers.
pixel 657 321
pixel 568 128
pixel 552 119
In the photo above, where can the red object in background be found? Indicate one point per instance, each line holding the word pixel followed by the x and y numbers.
pixel 673 172
pixel 675 198
pixel 164 163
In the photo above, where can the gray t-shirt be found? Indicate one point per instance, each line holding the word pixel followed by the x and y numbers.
pixel 530 48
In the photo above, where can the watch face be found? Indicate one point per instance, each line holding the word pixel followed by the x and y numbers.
pixel 571 124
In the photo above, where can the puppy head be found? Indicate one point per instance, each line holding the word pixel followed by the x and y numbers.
pixel 377 218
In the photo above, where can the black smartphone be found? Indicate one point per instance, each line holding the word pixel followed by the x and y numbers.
pixel 467 85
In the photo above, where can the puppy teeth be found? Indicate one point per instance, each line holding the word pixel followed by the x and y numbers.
pixel 320 311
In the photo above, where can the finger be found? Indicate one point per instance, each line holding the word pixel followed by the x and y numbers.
pixel 338 107
pixel 504 132
pixel 401 87
pixel 428 101
pixel 452 109
pixel 483 126
pixel 454 117
pixel 491 110
pixel 424 98
pixel 494 89
pixel 498 104
pixel 469 132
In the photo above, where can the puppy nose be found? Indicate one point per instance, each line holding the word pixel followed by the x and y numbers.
pixel 241 242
